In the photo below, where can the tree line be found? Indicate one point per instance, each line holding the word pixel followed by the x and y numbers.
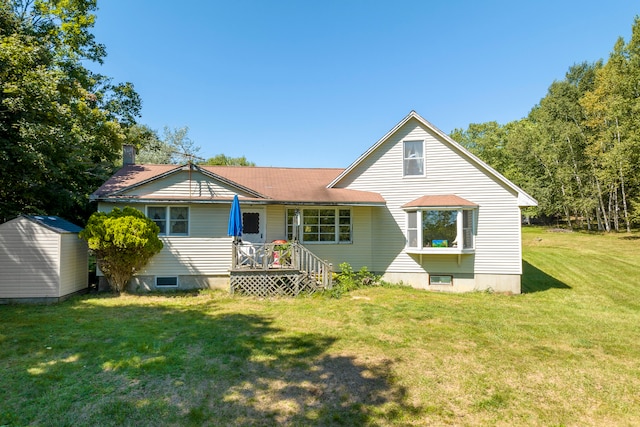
pixel 577 151
pixel 62 125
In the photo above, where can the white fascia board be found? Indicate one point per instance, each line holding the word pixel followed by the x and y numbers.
pixel 371 149
pixel 180 168
pixel 230 183
pixel 524 199
pixel 146 181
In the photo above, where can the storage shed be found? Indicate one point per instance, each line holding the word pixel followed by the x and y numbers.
pixel 41 259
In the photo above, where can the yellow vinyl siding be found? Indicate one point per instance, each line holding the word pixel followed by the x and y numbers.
pixel 29 260
pixel 276 223
pixel 183 184
pixel 206 251
pixel 358 253
pixel 208 221
pixel 448 171
pixel 74 264
pixel 191 256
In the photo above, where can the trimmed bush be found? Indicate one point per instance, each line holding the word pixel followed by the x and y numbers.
pixel 123 241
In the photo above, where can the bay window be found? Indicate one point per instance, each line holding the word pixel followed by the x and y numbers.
pixel 440 230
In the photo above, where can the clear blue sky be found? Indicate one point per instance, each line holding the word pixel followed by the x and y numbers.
pixel 316 83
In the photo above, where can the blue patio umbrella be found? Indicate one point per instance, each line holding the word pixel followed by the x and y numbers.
pixel 235 219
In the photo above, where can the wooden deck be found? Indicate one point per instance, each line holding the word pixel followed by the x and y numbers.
pixel 277 270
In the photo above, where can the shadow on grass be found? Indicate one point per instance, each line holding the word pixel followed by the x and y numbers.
pixel 632 237
pixel 535 280
pixel 86 364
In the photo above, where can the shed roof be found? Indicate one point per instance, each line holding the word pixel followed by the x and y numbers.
pixel 54 223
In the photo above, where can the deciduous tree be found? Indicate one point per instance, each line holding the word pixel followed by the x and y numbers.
pixel 612 108
pixel 61 125
pixel 222 160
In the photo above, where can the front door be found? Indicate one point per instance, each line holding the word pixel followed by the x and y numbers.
pixel 253 225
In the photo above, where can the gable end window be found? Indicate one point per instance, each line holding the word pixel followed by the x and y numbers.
pixel 413 158
pixel 172 220
pixel 320 225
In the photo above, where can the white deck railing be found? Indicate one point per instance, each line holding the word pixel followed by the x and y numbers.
pixel 272 256
pixel 304 260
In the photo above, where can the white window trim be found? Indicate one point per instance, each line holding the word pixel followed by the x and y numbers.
pixel 460 249
pixel 424 162
pixel 433 276
pixel 168 219
pixel 337 210
pixel 167 286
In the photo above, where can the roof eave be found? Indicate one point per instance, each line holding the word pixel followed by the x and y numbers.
pixel 371 149
pixel 136 200
pixel 188 166
pixel 231 183
pixel 526 201
pixel 96 196
pixel 410 207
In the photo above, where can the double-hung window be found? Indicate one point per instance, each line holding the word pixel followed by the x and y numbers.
pixel 319 225
pixel 440 230
pixel 413 158
pixel 172 220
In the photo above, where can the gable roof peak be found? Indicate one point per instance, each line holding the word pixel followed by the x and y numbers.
pixel 412 115
pixel 524 199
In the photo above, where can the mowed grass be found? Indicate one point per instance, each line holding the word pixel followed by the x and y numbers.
pixel 566 352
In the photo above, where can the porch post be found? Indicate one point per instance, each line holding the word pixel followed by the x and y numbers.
pixel 234 254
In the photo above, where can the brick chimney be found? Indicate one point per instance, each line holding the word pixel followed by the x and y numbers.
pixel 128 155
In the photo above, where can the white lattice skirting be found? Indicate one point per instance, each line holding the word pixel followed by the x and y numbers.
pixel 271 283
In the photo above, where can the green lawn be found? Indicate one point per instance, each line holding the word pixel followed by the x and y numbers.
pixel 567 352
